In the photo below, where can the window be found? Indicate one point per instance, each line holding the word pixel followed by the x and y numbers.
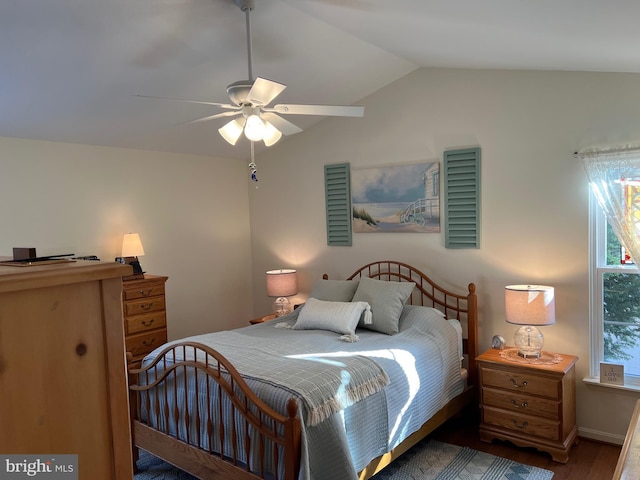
pixel 614 176
pixel 615 298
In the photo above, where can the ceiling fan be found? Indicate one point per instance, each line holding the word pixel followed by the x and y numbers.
pixel 250 99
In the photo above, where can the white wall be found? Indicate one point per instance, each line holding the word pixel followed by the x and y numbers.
pixel 191 213
pixel 534 196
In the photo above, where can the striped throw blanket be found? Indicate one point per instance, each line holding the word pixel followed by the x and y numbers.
pixel 326 382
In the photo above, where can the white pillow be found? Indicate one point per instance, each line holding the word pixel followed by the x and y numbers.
pixel 339 317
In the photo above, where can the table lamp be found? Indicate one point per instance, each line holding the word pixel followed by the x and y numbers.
pixel 282 284
pixel 530 306
pixel 131 250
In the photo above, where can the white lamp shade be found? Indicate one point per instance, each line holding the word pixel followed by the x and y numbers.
pixel 254 128
pixel 271 134
pixel 131 245
pixel 282 283
pixel 231 131
pixel 530 305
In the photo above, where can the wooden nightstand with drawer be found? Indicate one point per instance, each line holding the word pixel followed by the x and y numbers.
pixel 263 319
pixel 529 404
pixel 145 317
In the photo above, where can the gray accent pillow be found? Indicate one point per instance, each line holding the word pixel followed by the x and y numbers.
pixel 334 290
pixel 386 299
pixel 339 317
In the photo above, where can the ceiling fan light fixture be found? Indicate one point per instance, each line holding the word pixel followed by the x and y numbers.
pixel 254 128
pixel 271 134
pixel 231 131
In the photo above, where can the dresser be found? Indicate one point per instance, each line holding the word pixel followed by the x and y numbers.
pixel 62 365
pixel 528 404
pixel 145 316
pixel 628 467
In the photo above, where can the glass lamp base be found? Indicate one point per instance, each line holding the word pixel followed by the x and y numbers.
pixel 529 341
pixel 282 307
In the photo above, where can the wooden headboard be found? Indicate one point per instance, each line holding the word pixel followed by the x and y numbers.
pixel 461 306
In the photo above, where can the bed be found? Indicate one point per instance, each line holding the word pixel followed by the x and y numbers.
pixel 311 395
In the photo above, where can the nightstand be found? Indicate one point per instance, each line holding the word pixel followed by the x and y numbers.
pixel 529 404
pixel 271 316
pixel 145 316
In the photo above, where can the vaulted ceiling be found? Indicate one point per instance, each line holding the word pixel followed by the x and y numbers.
pixel 70 70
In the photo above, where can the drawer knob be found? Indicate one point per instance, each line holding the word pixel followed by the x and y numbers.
pixel 81 349
pixel 515 384
pixel 148 344
pixel 145 293
pixel 147 324
pixel 146 306
pixel 522 425
pixel 519 405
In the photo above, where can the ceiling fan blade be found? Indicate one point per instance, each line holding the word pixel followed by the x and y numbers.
pixel 324 110
pixel 285 126
pixel 215 104
pixel 264 91
pixel 211 117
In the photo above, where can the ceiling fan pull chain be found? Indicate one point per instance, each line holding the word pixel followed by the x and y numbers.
pixel 253 168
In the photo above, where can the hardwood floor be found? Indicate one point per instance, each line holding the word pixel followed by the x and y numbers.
pixel 588 460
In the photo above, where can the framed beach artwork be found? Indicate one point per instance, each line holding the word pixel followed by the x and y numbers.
pixel 396 199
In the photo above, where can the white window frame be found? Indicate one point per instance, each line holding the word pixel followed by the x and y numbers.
pixel 597 267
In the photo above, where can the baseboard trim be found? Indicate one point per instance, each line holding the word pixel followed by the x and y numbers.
pixel 600 436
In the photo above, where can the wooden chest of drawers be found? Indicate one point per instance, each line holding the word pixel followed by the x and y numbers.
pixel 628 467
pixel 63 388
pixel 145 317
pixel 531 405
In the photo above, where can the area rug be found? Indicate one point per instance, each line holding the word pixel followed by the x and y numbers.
pixel 428 460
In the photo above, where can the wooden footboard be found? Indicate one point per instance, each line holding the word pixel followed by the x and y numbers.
pixel 206 427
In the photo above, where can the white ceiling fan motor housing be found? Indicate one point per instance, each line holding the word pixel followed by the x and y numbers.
pixel 245 4
pixel 239 91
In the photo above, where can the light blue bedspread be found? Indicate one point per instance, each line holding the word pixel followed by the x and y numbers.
pixel 422 362
pixel 326 384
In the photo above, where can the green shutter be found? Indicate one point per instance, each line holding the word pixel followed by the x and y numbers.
pixel 338 199
pixel 462 198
